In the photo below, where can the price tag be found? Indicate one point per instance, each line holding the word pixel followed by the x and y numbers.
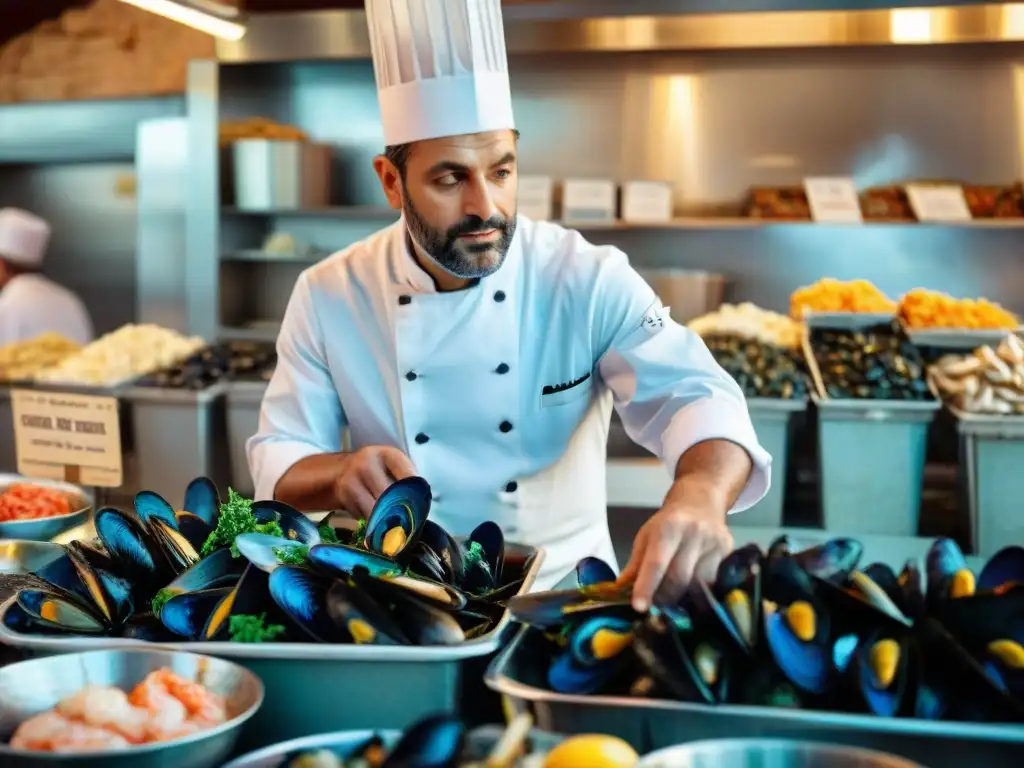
pixel 833 199
pixel 938 203
pixel 70 437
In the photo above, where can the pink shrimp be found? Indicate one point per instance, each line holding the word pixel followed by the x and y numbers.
pixel 40 731
pixel 167 717
pixel 204 707
pixel 108 708
pixel 88 738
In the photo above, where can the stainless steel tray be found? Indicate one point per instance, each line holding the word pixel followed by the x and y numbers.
pixel 518 673
pixel 767 406
pixel 480 742
pixel 374 686
pixel 44 529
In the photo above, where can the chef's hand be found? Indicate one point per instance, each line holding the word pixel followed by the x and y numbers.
pixel 682 541
pixel 366 473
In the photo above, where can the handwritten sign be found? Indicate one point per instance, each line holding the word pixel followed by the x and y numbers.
pixel 70 437
pixel 833 199
pixel 942 203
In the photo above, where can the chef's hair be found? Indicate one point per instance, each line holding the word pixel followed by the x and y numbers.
pixel 398 154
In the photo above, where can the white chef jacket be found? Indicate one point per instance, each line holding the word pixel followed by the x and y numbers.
pixel 501 393
pixel 32 304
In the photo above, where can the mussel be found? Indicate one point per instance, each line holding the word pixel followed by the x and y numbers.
pixel 595 653
pixel 397 517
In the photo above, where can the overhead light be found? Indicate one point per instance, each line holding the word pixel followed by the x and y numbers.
pixel 209 17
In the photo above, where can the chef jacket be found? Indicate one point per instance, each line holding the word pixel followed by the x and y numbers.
pixel 31 305
pixel 501 393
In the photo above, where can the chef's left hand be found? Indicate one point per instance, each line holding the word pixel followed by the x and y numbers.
pixel 682 541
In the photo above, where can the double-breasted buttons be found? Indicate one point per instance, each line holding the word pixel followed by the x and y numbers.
pixel 421 438
pixel 505 426
pixel 511 487
pixel 403 299
pixel 411 376
pixel 502 369
pixel 499 296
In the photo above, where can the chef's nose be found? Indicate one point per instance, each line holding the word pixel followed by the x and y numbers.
pixel 477 200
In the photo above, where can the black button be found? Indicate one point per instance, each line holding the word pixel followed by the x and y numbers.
pixel 511 487
pixel 421 438
pixel 434 499
pixel 499 295
pixel 505 426
pixel 503 368
pixel 410 376
pixel 403 300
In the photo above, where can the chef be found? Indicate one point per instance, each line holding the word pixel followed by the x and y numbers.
pixel 30 303
pixel 484 351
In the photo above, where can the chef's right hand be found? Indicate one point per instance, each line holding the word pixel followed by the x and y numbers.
pixel 366 473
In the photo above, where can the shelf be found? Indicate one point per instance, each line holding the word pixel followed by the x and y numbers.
pixel 346 213
pixel 274 258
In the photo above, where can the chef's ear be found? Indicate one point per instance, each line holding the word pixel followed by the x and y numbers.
pixel 390 180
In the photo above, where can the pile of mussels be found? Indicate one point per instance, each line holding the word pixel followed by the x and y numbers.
pixel 801 629
pixel 229 360
pixel 760 369
pixel 261 571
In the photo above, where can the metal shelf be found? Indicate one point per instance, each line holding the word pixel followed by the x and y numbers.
pixel 345 212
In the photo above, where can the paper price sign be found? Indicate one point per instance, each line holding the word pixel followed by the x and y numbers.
pixel 833 200
pixel 938 203
pixel 70 437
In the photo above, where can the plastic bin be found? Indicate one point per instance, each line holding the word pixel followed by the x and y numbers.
pixel 872 464
pixel 771 418
pixel 243 400
pixel 178 437
pixel 992 458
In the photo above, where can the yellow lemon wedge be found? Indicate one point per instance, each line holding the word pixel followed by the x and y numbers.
pixel 592 751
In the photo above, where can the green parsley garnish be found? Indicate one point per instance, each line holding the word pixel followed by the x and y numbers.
pixel 291 555
pixel 253 629
pixel 328 535
pixel 360 534
pixel 236 517
pixel 160 600
pixel 475 554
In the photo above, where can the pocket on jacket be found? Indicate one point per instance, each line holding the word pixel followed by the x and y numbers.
pixel 553 396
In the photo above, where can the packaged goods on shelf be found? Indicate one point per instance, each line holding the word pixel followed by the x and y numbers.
pixel 886 204
pixel 127 353
pixel 230 360
pixel 750 322
pixel 875 363
pixel 995 202
pixel 785 203
pixel 989 381
pixel 831 295
pixel 24 360
pixel 761 370
pixel 921 308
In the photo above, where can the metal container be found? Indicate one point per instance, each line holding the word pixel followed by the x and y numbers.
pixel 872 464
pixel 688 293
pixel 243 400
pixel 281 175
pixel 518 672
pixel 771 418
pixel 480 742
pixel 778 753
pixel 992 457
pixel 45 528
pixel 179 436
pixel 30 687
pixel 319 688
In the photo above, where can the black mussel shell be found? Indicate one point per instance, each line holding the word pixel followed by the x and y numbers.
pixel 1006 567
pixel 912 589
pixel 146 626
pixel 186 614
pixel 423 561
pixel 398 516
pixel 390 586
pixel 659 646
pixel 715 620
pixel 62 575
pixel 109 594
pixel 800 639
pixel 152 506
pixel 247 597
pixel 947 572
pixel 342 560
pixel 593 570
pixel 984 617
pixel 503 593
pixel 435 742
pixel 218 569
pixel 832 561
pixel 194 528
pixel 491 539
pixel 425 624
pixel 131 547
pixel 94 554
pixel 302 595
pixel 567 675
pixel 552 609
pixel 175 546
pixel 600 638
pixel 886 673
pixel 784 581
pixel 61 611
pixel 861 603
pixel 1004 664
pixel 17 619
pixel 781 546
pixel 294 525
pixel 738 590
pixel 366 622
pixel 203 500
pixel 445 548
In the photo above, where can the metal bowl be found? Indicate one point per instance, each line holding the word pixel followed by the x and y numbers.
pixel 778 753
pixel 20 557
pixel 45 528
pixel 31 687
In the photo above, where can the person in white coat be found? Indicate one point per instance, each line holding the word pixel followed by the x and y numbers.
pixel 30 303
pixel 483 351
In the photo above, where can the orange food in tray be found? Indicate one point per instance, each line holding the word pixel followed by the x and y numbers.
pixel 921 308
pixel 831 295
pixel 25 501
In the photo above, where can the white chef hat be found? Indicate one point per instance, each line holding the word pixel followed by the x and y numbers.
pixel 23 237
pixel 441 67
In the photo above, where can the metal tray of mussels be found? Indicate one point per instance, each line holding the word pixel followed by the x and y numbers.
pixel 518 674
pixel 316 688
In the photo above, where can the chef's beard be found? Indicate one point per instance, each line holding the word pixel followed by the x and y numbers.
pixel 457 257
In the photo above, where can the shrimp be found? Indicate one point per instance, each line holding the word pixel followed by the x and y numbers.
pixel 166 715
pixel 204 708
pixel 88 738
pixel 40 731
pixel 106 708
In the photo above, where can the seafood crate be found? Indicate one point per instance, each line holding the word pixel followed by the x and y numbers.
pixel 772 418
pixel 992 454
pixel 316 688
pixel 518 674
pixel 243 400
pixel 178 436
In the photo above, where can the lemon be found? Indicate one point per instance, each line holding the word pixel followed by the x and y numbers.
pixel 592 751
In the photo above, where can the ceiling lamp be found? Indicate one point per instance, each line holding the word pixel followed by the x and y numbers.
pixel 212 18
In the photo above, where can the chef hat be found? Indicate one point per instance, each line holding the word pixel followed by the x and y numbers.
pixel 441 67
pixel 23 237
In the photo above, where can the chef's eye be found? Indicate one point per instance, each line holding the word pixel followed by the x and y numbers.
pixel 503 173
